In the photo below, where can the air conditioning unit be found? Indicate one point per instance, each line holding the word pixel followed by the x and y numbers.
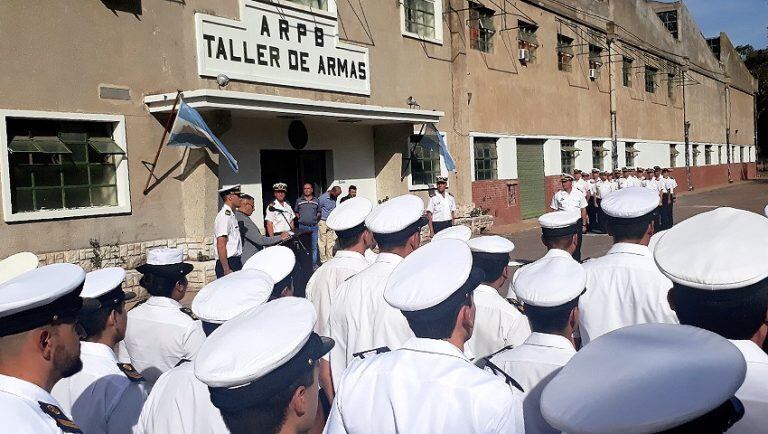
pixel 593 73
pixel 524 55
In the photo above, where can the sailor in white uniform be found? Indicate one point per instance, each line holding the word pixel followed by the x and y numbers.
pixel 354 240
pixel 441 209
pixel 648 379
pixel 105 396
pixel 498 323
pixel 40 345
pixel 571 199
pixel 161 332
pixel 268 385
pixel 549 290
pixel 279 215
pixel 180 403
pixel 428 385
pixel 226 232
pixel 559 233
pixel 360 318
pixel 625 286
pixel 717 263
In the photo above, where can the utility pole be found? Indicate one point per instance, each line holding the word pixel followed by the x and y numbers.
pixel 687 128
pixel 728 125
pixel 611 30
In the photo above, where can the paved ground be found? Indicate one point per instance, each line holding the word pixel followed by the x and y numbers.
pixel 751 196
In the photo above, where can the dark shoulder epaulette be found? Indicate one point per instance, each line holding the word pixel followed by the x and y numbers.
pixel 495 370
pixel 519 306
pixel 62 421
pixel 187 311
pixel 181 362
pixel 373 352
pixel 130 372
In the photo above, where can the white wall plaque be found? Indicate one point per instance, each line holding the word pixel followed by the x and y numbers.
pixel 275 44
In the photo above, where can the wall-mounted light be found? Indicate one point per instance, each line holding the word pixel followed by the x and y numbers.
pixel 411 101
pixel 222 80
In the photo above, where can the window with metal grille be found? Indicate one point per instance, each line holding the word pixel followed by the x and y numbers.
pixel 481 29
pixel 629 154
pixel 673 153
pixel 420 17
pixel 714 45
pixel 527 40
pixel 741 154
pixel 319 4
pixel 669 19
pixel 626 71
pixel 568 155
pixel 486 158
pixel 58 165
pixel 564 53
pixel 425 165
pixel 720 154
pixel 695 155
pixel 595 61
pixel 598 154
pixel 707 155
pixel 650 79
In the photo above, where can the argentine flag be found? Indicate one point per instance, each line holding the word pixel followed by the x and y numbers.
pixel 434 141
pixel 190 130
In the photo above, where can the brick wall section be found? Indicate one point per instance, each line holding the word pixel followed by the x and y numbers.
pixel 500 197
pixel 714 176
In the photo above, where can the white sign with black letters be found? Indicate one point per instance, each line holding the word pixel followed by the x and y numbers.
pixel 273 44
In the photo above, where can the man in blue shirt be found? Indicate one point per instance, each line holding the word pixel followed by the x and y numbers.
pixel 308 211
pixel 327 237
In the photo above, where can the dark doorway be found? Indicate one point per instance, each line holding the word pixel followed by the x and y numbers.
pixel 294 168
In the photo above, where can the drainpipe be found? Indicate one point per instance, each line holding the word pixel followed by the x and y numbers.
pixel 687 128
pixel 728 125
pixel 611 30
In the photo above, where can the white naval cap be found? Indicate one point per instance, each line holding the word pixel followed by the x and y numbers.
pixel 349 214
pixel 228 188
pixel 165 256
pixel 765 211
pixel 655 240
pixel 38 296
pixel 17 264
pixel 431 275
pixel 105 285
pixel 643 379
pixel 491 244
pixel 458 232
pixel 231 295
pixel 719 249
pixel 549 282
pixel 559 223
pixel 280 346
pixel 396 214
pixel 630 202
pixel 277 261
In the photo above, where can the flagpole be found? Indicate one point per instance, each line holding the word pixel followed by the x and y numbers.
pixel 160 147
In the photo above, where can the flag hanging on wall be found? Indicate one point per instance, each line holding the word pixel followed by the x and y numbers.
pixel 434 141
pixel 190 130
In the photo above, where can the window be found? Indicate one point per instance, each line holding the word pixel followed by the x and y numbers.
pixel 629 154
pixel 695 155
pixel 568 151
pixel 595 62
pixel 650 79
pixel 64 167
pixel 720 154
pixel 626 71
pixel 673 153
pixel 671 78
pixel 741 154
pixel 318 4
pixel 420 18
pixel 598 152
pixel 714 45
pixel 425 163
pixel 708 155
pixel 527 40
pixel 485 158
pixel 481 28
pixel 669 19
pixel 564 53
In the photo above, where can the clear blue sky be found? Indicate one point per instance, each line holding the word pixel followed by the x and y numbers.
pixel 744 21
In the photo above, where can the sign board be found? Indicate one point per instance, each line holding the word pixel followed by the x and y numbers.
pixel 274 44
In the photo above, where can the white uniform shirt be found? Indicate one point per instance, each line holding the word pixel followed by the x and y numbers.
pixel 604 188
pixel 633 181
pixel 278 219
pixel 101 398
pixel 498 324
pixel 21 408
pixel 357 301
pixel 564 201
pixel 180 404
pixel 624 288
pixel 427 386
pixel 159 336
pixel 753 393
pixel 225 224
pixel 533 364
pixel 591 185
pixel 441 207
pixel 582 185
pixel 370 256
pixel 321 288
pixel 670 184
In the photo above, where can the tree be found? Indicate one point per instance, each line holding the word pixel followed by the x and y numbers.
pixel 756 61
